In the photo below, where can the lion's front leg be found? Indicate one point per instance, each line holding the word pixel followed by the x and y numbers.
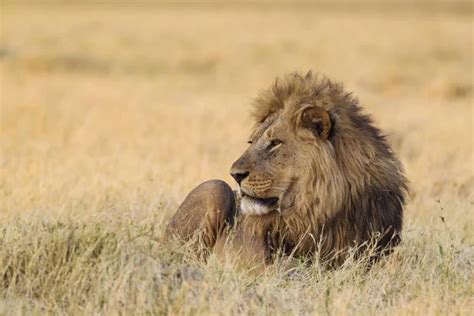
pixel 208 210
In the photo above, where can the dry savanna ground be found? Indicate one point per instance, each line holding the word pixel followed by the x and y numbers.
pixel 111 114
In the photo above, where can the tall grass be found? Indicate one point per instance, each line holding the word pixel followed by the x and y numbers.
pixel 104 264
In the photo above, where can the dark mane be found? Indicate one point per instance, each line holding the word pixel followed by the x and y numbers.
pixel 372 185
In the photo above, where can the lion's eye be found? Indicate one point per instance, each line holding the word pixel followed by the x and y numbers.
pixel 274 144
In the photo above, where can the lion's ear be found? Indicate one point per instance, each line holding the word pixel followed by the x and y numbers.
pixel 318 121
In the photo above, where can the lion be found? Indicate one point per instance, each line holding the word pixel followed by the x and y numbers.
pixel 317 179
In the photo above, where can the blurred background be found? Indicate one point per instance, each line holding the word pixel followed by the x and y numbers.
pixel 127 105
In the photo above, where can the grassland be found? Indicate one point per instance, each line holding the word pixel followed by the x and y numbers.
pixel 111 114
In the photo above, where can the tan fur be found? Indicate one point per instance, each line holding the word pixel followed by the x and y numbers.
pixel 337 182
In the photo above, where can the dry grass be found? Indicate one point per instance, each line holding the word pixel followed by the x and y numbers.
pixel 110 115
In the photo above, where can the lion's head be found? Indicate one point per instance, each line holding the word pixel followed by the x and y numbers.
pixel 315 160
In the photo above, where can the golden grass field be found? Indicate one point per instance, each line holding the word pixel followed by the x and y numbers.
pixel 111 114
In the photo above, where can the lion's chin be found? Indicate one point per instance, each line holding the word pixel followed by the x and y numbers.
pixel 253 206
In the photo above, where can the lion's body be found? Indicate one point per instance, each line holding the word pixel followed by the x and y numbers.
pixel 317 177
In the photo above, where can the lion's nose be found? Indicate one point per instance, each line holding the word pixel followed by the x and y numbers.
pixel 239 176
pixel 240 169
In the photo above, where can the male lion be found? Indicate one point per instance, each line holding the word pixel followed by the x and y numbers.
pixel 317 178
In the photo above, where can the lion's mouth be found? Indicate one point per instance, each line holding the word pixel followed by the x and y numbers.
pixel 268 202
